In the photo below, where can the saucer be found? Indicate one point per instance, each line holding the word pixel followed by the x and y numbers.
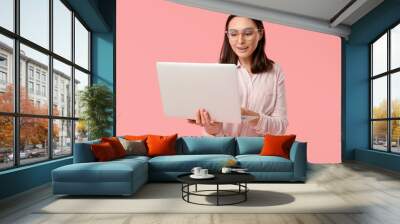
pixel 208 176
pixel 240 171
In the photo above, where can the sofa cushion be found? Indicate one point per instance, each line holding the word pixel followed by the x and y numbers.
pixel 111 171
pixel 159 145
pixel 249 145
pixel 134 147
pixel 103 152
pixel 116 145
pixel 206 145
pixel 257 163
pixel 185 163
pixel 277 145
pixel 135 137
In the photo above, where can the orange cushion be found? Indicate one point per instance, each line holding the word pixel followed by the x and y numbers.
pixel 116 145
pixel 103 152
pixel 277 145
pixel 135 138
pixel 161 145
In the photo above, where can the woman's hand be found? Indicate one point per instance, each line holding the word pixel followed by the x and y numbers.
pixel 204 119
pixel 246 112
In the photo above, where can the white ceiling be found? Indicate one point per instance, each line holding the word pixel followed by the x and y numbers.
pixel 327 16
pixel 321 9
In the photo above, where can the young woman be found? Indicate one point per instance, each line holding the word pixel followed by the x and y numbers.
pixel 261 83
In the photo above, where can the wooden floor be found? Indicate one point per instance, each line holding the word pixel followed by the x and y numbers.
pixel 377 188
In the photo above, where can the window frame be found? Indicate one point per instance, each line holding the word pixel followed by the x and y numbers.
pixel 388 74
pixel 16 115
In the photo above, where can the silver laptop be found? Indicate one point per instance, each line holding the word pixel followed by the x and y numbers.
pixel 187 87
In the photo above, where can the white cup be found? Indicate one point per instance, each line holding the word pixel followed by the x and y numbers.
pixel 226 170
pixel 203 172
pixel 196 171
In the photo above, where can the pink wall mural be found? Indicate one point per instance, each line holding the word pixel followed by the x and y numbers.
pixel 158 30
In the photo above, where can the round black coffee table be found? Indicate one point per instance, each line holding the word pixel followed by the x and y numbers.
pixel 238 179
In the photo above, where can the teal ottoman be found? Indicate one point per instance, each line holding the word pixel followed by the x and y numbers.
pixel 118 177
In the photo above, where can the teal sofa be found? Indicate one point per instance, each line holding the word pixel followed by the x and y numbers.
pixel 125 176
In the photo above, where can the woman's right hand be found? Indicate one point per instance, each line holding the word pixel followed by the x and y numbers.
pixel 203 119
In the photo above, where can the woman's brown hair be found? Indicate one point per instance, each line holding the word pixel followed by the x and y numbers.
pixel 260 61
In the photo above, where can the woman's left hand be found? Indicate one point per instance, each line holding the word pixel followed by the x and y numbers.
pixel 247 112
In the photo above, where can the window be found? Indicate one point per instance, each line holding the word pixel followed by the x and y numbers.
pixel 43 77
pixel 3 78
pixel 7 14
pixel 55 102
pixel 62 74
pixel 30 87
pixel 44 91
pixel 33 149
pixel 3 61
pixel 62 29
pixel 30 72
pixel 38 74
pixel 395 47
pixel 6 74
pixel 45 131
pixel 37 89
pixel 81 45
pixel 81 81
pixel 385 94
pixel 35 22
pixel 3 72
pixel 6 142
pixel 62 139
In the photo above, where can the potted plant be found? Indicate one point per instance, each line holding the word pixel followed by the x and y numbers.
pixel 96 102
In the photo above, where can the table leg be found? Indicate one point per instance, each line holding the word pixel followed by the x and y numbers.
pixel 217 194
pixel 196 188
pixel 245 193
pixel 188 189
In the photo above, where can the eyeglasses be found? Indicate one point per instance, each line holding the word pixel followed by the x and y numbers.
pixel 248 33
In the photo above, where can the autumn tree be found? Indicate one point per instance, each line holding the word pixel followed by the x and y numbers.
pixel 396 124
pixel 33 131
pixel 6 122
pixel 81 129
pixel 380 127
